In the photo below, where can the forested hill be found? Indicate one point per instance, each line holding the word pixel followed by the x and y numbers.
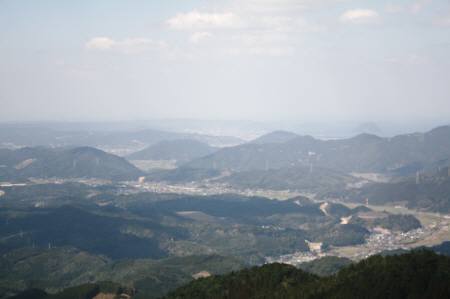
pixel 429 191
pixel 41 162
pixel 419 274
pixel 399 155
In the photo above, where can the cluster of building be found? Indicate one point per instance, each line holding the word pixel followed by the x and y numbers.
pixel 379 241
pixel 204 188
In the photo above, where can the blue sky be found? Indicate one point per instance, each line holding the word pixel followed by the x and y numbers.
pixel 239 59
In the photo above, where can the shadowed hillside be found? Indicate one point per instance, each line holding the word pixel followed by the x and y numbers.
pixel 420 274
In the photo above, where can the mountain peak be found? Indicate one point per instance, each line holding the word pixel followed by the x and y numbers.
pixel 275 137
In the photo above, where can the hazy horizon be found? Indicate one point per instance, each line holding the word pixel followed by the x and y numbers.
pixel 244 129
pixel 261 60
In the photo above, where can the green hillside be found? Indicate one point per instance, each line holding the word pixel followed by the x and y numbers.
pixel 55 269
pixel 419 274
pixel 294 178
pixel 430 191
pixel 80 162
pixel 325 266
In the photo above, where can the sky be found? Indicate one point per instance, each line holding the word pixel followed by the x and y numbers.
pixel 303 60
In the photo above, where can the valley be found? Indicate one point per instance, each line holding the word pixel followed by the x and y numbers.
pixel 158 226
pixel 434 230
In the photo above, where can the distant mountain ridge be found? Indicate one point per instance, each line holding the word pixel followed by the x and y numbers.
pixel 275 137
pixel 27 135
pixel 403 154
pixel 79 162
pixel 181 150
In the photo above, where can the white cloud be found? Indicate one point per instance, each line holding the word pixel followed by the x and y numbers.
pixel 360 16
pixel 126 46
pixel 195 20
pixel 100 43
pixel 248 27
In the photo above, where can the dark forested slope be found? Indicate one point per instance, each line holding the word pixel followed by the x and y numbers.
pixel 419 274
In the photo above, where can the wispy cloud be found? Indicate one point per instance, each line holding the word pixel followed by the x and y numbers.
pixel 247 27
pixel 360 16
pixel 126 46
pixel 100 43
pixel 195 20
